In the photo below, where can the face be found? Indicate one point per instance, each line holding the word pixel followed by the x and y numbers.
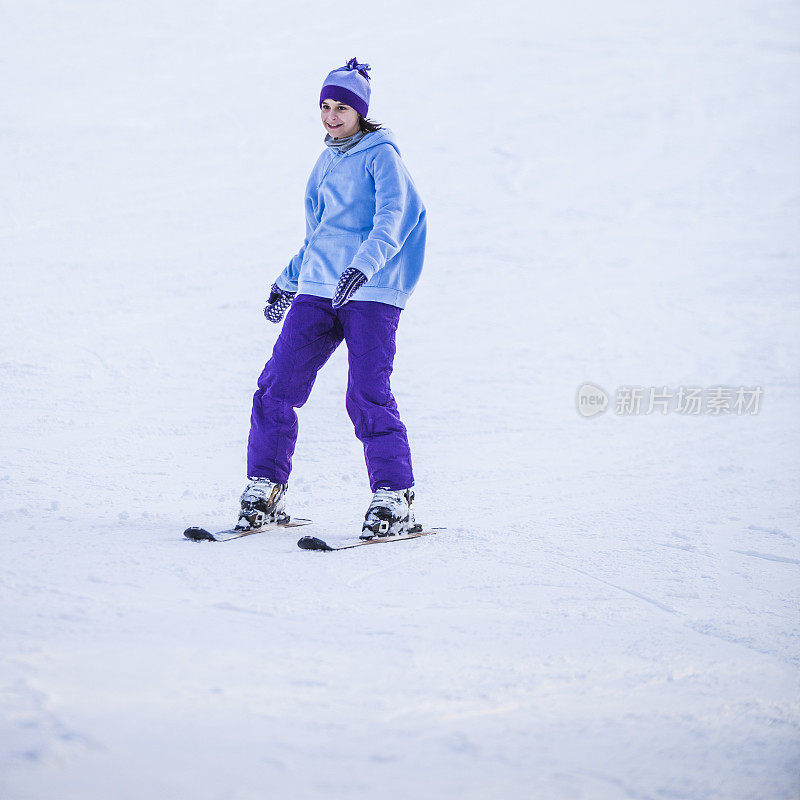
pixel 340 120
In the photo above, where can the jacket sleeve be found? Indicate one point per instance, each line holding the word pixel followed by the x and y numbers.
pixel 287 280
pixel 397 211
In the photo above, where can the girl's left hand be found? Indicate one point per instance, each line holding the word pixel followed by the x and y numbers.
pixel 351 281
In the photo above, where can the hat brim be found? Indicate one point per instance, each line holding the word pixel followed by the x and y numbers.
pixel 333 92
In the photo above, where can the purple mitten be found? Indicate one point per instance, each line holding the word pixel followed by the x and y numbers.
pixel 277 303
pixel 351 281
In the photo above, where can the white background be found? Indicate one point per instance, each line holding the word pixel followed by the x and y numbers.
pixel 612 191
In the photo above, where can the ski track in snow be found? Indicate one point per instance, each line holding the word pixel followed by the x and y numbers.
pixel 612 611
pixel 768 556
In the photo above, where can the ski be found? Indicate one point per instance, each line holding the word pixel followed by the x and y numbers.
pixel 202 535
pixel 312 543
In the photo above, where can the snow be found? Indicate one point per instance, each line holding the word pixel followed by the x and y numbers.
pixel 612 611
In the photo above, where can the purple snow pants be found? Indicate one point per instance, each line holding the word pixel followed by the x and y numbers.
pixel 312 330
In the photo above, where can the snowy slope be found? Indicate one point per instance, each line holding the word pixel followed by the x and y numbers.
pixel 612 612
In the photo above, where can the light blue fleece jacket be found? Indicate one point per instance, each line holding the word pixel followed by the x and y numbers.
pixel 363 211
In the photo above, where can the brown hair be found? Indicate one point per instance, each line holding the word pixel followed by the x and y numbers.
pixel 368 125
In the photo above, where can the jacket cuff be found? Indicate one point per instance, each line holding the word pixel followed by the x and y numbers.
pixel 285 284
pixel 364 265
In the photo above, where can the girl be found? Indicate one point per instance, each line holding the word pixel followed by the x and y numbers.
pixel 360 261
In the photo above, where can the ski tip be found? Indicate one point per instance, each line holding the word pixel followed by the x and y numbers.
pixel 312 543
pixel 198 535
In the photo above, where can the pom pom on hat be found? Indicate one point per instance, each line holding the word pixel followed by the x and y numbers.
pixel 362 68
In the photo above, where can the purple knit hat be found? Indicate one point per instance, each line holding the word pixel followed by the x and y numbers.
pixel 350 85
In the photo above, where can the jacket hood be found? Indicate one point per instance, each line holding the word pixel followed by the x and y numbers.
pixel 382 136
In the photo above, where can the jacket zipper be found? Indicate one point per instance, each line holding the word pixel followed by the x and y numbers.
pixel 334 162
pixel 331 165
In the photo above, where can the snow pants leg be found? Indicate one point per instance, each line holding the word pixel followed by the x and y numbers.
pixel 370 329
pixel 311 333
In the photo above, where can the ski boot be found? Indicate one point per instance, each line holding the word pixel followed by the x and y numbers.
pixel 262 503
pixel 391 513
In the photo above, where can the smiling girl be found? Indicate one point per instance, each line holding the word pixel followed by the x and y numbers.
pixel 360 261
